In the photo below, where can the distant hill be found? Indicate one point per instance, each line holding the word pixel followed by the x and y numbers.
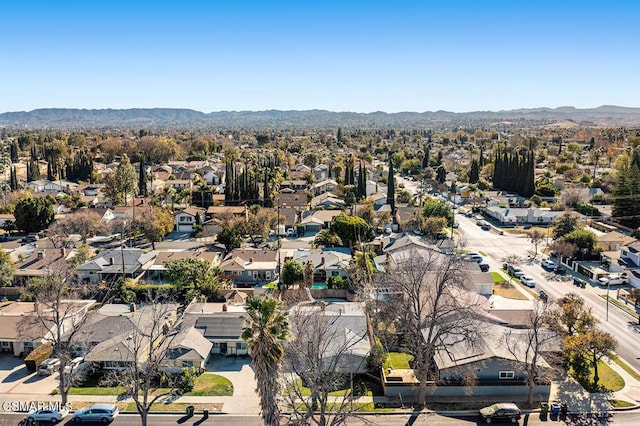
pixel 316 119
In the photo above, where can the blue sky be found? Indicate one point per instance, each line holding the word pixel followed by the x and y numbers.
pixel 345 55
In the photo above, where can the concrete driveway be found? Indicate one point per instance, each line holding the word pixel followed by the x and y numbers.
pixel 15 378
pixel 239 372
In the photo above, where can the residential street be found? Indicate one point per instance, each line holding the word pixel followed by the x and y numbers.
pixel 620 324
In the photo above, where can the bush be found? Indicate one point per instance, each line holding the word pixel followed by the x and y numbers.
pixel 188 380
pixel 337 282
pixel 587 209
pixel 39 354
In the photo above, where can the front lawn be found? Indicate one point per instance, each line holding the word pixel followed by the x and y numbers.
pixel 497 278
pixel 399 360
pixel 610 381
pixel 209 384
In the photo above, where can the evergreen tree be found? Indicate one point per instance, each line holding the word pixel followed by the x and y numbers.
pixel 427 154
pixel 13 179
pixel 142 180
pixel 13 152
pixel 439 159
pixel 627 196
pixel 441 174
pixel 474 171
pixel 391 188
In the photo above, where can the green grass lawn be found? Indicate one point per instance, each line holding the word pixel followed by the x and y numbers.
pixel 610 381
pixel 481 253
pixel 397 360
pixel 176 406
pixel 209 384
pixel 497 278
pixel 618 403
pixel 363 387
pixel 626 367
pixel 91 386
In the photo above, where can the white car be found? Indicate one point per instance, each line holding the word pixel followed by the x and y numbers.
pixel 547 264
pixel 46 415
pixel 517 272
pixel 614 279
pixel 528 281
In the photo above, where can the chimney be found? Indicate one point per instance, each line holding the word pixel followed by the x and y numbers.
pixel 63 252
pixel 224 308
pixel 111 261
pixel 41 255
pixel 322 260
pixel 251 260
pixel 132 307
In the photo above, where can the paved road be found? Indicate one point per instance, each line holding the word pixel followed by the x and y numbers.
pixel 417 419
pixel 619 324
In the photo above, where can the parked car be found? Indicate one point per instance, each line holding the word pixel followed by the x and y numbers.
pixel 485 227
pixel 548 264
pixel 614 279
pixel 104 413
pixel 455 225
pixel 78 368
pixel 543 296
pixel 48 366
pixel 514 271
pixel 528 281
pixel 475 257
pixel 46 415
pixel 484 267
pixel 501 411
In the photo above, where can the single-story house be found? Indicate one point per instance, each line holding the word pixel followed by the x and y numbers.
pixel 186 348
pixel 327 201
pixel 39 263
pixel 327 185
pixel 531 215
pixel 114 263
pixel 325 263
pixel 315 220
pixel 155 273
pixel 248 267
pixel 221 324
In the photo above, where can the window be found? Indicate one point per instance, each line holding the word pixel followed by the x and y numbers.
pixel 6 344
pixel 506 375
pixel 240 345
pixel 187 363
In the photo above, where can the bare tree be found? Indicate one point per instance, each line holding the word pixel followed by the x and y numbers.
pixel 144 358
pixel 536 237
pixel 324 357
pixel 59 314
pixel 528 345
pixel 435 307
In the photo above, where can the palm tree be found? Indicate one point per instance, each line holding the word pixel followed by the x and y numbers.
pixel 268 328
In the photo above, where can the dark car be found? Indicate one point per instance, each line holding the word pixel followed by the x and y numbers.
pixel 502 411
pixel 484 267
pixel 543 296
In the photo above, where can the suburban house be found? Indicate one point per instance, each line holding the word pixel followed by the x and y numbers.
pixel 296 185
pixel 327 185
pixel 221 324
pixel 248 267
pixel 345 341
pixel 222 212
pixel 22 329
pixel 116 336
pixel 186 348
pixel 494 366
pixel 43 185
pixel 186 219
pixel 325 264
pixel 321 172
pixel 626 259
pixel 291 199
pixel 315 220
pixel 515 216
pixel 38 264
pixel 327 201
pixel 112 264
pixel 156 271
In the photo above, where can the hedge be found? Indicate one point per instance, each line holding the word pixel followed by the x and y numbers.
pixel 39 354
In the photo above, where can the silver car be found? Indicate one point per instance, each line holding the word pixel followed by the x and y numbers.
pixel 104 413
pixel 46 415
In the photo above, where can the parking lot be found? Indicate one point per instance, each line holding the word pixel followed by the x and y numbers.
pixel 16 379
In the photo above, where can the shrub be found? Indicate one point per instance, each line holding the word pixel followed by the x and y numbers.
pixel 39 354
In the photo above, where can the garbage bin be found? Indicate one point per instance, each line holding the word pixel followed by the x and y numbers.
pixel 563 408
pixel 190 410
pixel 205 413
pixel 544 407
pixel 555 408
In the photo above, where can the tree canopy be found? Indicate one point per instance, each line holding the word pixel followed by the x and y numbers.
pixel 33 214
pixel 351 229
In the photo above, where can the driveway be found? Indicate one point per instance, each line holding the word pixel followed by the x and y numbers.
pixel 15 378
pixel 239 372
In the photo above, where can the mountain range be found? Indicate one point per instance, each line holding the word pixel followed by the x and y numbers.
pixel 137 118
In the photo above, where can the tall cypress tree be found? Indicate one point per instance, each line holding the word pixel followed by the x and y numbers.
pixel 142 180
pixel 427 154
pixel 391 188
pixel 474 171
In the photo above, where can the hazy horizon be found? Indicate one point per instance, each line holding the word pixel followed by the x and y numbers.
pixel 337 56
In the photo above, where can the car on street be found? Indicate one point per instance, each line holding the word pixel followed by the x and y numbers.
pixel 474 257
pixel 484 267
pixel 46 415
pixel 104 413
pixel 528 281
pixel 501 412
pixel 548 264
pixel 515 271
pixel 543 296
